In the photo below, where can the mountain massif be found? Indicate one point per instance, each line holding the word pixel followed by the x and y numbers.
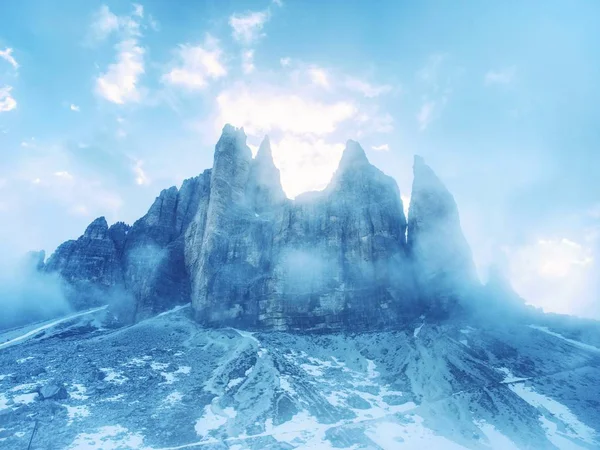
pixel 214 284
pixel 232 244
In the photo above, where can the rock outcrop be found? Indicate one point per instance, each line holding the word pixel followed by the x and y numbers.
pixel 231 242
pixel 442 260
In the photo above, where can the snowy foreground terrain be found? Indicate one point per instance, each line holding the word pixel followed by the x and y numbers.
pixel 167 383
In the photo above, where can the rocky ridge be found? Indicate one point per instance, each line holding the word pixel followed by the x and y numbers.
pixel 232 244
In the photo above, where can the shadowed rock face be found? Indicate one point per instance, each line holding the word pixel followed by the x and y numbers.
pixel 443 263
pixel 231 242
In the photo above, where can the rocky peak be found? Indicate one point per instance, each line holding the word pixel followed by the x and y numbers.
pixel 353 156
pixel 98 229
pixel 163 208
pixel 264 181
pixel 442 258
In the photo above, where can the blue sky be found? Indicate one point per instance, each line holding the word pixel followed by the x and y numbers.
pixel 103 104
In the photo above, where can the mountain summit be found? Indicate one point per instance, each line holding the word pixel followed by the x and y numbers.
pixel 232 244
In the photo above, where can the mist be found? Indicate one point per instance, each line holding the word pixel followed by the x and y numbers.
pixel 28 295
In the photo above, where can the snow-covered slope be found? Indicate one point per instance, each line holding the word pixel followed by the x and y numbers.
pixel 167 383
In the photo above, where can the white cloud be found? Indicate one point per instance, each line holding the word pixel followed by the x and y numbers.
pixel 425 114
pixel 381 148
pixel 138 10
pixel 405 204
pixel 63 174
pixel 248 61
pixel 306 163
pixel 119 84
pixel 247 28
pixel 318 77
pixel 196 65
pixel 285 61
pixel 140 175
pixel 430 72
pixel 503 76
pixel 105 23
pixel 262 111
pixel 367 89
pixel 74 107
pixel 7 101
pixel 6 54
pixel 554 274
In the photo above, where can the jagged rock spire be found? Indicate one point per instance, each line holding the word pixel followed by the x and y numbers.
pixel 98 229
pixel 353 156
pixel 442 258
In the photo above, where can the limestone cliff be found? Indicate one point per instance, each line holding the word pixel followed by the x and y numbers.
pixel 232 244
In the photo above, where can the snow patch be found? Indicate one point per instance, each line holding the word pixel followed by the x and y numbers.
pixel 213 419
pixel 173 398
pixel 509 377
pixel 22 360
pixel 412 435
pixel 570 341
pixel 552 411
pixel 76 412
pixel 495 439
pixel 159 366
pixel 418 330
pixel 25 399
pixel 79 392
pixel 113 437
pixel 113 376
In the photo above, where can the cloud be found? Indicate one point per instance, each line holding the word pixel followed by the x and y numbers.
pixel 140 176
pixel 138 10
pixel 285 62
pixel 425 114
pixel 63 174
pixel 6 54
pixel 7 101
pixel 196 65
pixel 306 162
pixel 381 148
pixel 367 89
pixel 248 61
pixel 247 28
pixel 262 111
pixel 119 84
pixel 556 274
pixel 318 77
pixel 74 107
pixel 503 76
pixel 105 23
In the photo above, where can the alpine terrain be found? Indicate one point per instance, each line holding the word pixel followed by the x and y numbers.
pixel 232 317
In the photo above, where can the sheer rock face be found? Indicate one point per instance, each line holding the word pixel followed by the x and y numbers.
pixel 332 259
pixel 443 263
pixel 231 242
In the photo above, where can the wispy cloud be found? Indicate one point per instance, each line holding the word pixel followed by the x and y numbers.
pixel 195 65
pixel 74 107
pixel 248 61
pixel 502 76
pixel 248 28
pixel 285 61
pixel 140 175
pixel 319 76
pixel 7 101
pixel 262 111
pixel 119 84
pixel 381 148
pixel 7 55
pixel 425 114
pixel 367 89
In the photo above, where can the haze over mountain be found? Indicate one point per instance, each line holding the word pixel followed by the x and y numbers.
pixel 232 244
